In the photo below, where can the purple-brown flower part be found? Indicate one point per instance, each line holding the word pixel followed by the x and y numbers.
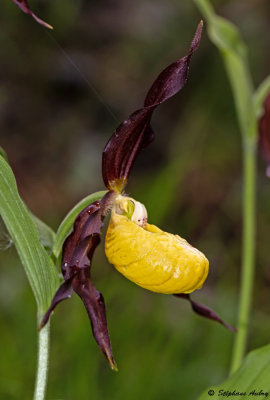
pixel 136 133
pixel 264 130
pixel 205 311
pixel 23 5
pixel 78 251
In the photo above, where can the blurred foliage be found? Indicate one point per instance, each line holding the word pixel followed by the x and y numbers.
pixel 253 373
pixel 62 94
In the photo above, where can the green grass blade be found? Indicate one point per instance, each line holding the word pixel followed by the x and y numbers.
pixel 39 268
pixel 67 223
pixel 252 376
pixel 260 95
pixel 234 52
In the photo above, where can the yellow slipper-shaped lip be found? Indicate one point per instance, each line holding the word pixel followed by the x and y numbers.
pixel 151 258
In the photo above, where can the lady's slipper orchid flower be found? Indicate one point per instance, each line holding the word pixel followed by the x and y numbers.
pixel 156 260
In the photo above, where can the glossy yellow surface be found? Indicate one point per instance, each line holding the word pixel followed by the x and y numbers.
pixel 156 260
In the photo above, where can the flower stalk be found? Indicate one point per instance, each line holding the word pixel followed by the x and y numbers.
pixel 43 361
pixel 248 251
pixel 247 103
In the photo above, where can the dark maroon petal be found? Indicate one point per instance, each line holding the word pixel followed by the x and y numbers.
pixel 95 307
pixel 264 129
pixel 205 311
pixel 78 251
pixel 136 133
pixel 121 150
pixel 64 292
pixel 173 78
pixel 23 5
pixel 85 237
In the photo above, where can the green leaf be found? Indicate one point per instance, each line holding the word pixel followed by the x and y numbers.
pixel 251 377
pixel 67 223
pixel 46 233
pixel 39 268
pixel 234 52
pixel 260 96
pixel 3 153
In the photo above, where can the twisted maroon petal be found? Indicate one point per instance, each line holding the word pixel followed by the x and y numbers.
pixel 136 133
pixel 95 307
pixel 64 292
pixel 77 255
pixel 205 311
pixel 23 5
pixel 264 133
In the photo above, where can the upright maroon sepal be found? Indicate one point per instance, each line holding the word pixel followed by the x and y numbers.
pixel 205 311
pixel 136 133
pixel 77 255
pixel 23 5
pixel 264 130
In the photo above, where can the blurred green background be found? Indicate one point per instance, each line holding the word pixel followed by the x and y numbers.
pixel 62 94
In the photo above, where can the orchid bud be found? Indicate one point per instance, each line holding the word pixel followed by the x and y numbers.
pixel 154 259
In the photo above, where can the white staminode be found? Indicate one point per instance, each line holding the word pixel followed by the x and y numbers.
pixel 140 214
pixel 133 209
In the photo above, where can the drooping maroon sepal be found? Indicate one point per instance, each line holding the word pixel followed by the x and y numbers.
pixel 136 133
pixel 77 255
pixel 24 6
pixel 95 307
pixel 64 292
pixel 264 130
pixel 205 311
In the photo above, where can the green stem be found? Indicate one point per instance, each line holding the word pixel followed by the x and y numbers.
pixel 248 255
pixel 43 359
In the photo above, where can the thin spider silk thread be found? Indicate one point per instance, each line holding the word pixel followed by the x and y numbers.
pixel 83 77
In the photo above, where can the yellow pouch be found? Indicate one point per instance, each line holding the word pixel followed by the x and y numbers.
pixel 153 259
